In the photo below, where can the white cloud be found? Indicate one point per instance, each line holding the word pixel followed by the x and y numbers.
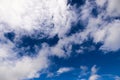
pixel 89 75
pixel 94 70
pixel 5 50
pixel 108 34
pixel 103 28
pixel 85 11
pixel 64 70
pixel 112 39
pixel 24 17
pixel 51 17
pixel 94 75
pixel 47 16
pixel 23 68
pixel 100 2
pixel 113 8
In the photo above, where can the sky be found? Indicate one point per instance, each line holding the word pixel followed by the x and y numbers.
pixel 59 40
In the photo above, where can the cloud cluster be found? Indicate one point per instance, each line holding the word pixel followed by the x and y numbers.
pixel 87 74
pixel 53 17
pixel 103 23
pixel 26 17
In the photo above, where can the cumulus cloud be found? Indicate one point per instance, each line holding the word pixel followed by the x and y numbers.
pixel 111 39
pixel 53 17
pixel 108 34
pixel 22 68
pixel 49 17
pixel 103 28
pixel 25 17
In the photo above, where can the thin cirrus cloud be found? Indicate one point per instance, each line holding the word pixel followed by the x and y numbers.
pixel 53 17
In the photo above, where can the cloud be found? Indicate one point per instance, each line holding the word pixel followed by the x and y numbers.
pixel 112 40
pixel 108 34
pixel 94 75
pixel 87 74
pixel 28 18
pixel 103 28
pixel 5 50
pixel 23 68
pixel 113 8
pixel 94 70
pixel 64 70
pixel 50 17
pixel 100 3
pixel 84 71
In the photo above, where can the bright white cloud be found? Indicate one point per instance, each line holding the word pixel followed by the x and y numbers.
pixel 47 16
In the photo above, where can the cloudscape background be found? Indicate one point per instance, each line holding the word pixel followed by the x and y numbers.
pixel 59 40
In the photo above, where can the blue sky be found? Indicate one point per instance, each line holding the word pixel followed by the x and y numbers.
pixel 59 40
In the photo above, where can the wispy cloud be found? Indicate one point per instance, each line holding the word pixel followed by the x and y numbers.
pixel 64 70
pixel 94 75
